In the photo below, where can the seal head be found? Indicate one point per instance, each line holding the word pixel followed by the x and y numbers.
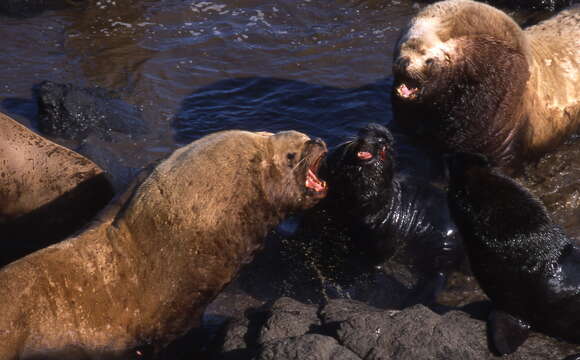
pixel 469 79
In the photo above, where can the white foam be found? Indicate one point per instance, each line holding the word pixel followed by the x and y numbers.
pixel 127 25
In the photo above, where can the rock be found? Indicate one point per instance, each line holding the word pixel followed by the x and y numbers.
pixel 306 347
pixel 414 333
pixel 348 329
pixel 288 318
pixel 71 112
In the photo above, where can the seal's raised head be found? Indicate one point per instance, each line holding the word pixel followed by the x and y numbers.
pixel 467 78
pixel 433 44
pixel 363 165
pixel 292 177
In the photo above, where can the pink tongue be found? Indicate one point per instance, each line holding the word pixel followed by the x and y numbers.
pixel 364 155
pixel 405 91
pixel 313 183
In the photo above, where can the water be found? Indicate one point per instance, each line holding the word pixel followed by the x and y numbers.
pixel 195 67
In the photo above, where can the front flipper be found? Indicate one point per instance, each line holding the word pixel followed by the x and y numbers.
pixel 506 331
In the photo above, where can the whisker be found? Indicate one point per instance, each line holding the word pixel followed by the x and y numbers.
pixel 298 164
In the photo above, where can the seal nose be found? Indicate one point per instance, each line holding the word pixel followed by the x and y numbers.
pixel 401 64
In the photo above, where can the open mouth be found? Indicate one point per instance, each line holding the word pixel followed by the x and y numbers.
pixel 364 155
pixel 407 91
pixel 315 184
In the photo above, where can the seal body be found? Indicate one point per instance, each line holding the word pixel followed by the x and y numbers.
pixel 392 216
pixel 46 191
pixel 523 261
pixel 468 78
pixel 143 274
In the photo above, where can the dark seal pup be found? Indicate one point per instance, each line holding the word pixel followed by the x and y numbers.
pixel 143 275
pixel 47 191
pixel 468 78
pixel 525 263
pixel 390 214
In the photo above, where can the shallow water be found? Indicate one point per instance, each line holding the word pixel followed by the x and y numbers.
pixel 194 67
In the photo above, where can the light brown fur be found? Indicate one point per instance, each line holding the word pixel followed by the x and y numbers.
pixel 35 171
pixel 47 192
pixel 144 273
pixel 549 109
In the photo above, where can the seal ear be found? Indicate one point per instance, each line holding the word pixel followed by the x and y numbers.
pixel 506 332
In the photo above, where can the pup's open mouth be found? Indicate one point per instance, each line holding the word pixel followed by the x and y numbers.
pixel 407 91
pixel 364 155
pixel 318 186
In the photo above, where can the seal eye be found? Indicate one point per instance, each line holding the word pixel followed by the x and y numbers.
pixel 429 61
pixel 290 157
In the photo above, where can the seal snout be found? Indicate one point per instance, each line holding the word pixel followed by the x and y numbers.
pixel 317 152
pixel 373 143
pixel 401 64
pixel 406 86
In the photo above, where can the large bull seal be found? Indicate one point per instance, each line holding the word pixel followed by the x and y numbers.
pixel 468 78
pixel 46 191
pixel 523 261
pixel 144 273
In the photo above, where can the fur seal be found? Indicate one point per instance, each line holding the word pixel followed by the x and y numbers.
pixel 143 274
pixel 47 192
pixel 468 78
pixel 392 215
pixel 524 262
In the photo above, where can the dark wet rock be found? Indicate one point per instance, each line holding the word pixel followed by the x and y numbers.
pixel 241 335
pixel 310 347
pixel 24 8
pixel 71 112
pixel 347 329
pixel 414 333
pixel 288 318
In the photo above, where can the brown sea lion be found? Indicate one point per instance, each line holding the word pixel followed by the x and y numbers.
pixel 46 191
pixel 144 273
pixel 468 78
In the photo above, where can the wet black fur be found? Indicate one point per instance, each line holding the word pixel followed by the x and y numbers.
pixel 523 261
pixel 390 215
pixel 470 104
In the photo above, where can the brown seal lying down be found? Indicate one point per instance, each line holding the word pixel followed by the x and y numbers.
pixel 47 191
pixel 468 78
pixel 143 274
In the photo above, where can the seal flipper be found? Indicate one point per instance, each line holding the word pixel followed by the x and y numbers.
pixel 506 331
